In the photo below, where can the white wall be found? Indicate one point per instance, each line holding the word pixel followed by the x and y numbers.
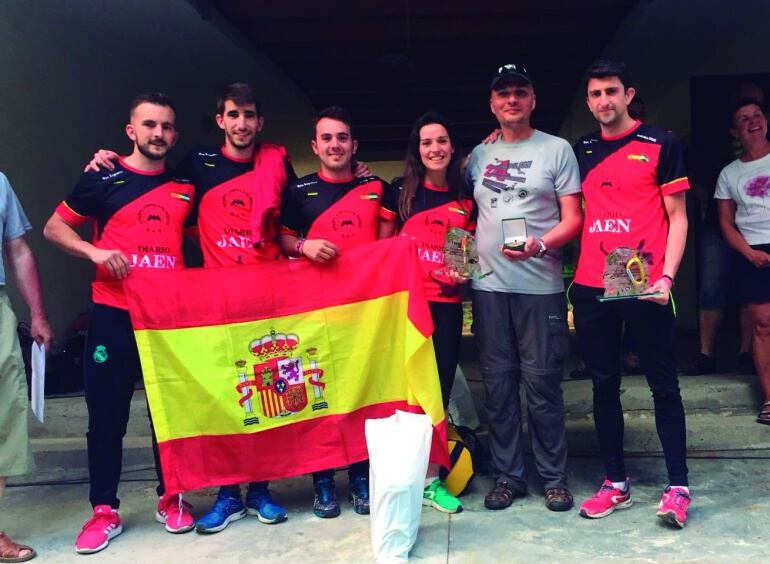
pixel 68 73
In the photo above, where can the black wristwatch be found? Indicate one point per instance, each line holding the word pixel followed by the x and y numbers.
pixel 541 252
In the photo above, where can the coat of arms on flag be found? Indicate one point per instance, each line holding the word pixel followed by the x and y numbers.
pixel 279 378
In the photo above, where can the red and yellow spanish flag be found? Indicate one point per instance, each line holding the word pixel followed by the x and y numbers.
pixel 268 371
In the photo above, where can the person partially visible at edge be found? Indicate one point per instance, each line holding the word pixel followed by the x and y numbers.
pixel 520 310
pixel 14 442
pixel 634 185
pixel 237 193
pixel 716 259
pixel 138 212
pixel 743 203
pixel 322 215
pixel 430 202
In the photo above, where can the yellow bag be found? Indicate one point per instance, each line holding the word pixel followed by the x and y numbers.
pixel 461 458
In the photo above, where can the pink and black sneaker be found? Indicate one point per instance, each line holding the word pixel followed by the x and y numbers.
pixel 606 500
pixel 673 506
pixel 103 526
pixel 175 514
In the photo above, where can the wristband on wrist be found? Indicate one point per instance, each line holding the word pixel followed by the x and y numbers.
pixel 298 247
pixel 541 252
pixel 669 279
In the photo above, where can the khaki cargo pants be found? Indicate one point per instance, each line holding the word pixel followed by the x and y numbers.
pixel 14 444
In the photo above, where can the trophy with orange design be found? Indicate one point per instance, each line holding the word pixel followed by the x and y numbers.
pixel 626 274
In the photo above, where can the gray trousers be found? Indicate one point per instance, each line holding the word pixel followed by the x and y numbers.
pixel 523 337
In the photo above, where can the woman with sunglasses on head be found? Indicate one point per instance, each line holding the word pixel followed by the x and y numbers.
pixel 430 203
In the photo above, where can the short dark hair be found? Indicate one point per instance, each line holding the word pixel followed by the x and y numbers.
pixel 240 94
pixel 605 68
pixel 155 98
pixel 336 113
pixel 741 102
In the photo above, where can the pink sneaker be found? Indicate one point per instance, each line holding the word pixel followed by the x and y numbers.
pixel 97 532
pixel 673 506
pixel 175 514
pixel 606 500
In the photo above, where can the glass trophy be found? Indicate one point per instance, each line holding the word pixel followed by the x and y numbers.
pixel 514 233
pixel 461 255
pixel 626 275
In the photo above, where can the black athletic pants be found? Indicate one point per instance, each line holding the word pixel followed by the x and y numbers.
pixel 447 335
pixel 651 326
pixel 110 369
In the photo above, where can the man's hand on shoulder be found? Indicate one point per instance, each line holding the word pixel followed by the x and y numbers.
pixel 361 170
pixel 493 137
pixel 531 246
pixel 319 250
pixel 114 261
pixel 103 158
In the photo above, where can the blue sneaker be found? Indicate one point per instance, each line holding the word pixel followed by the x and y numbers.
pixel 325 503
pixel 358 495
pixel 260 503
pixel 226 509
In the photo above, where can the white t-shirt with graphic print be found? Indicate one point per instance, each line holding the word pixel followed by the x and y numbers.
pixel 748 185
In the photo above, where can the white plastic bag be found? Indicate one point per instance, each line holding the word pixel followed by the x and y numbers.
pixel 462 410
pixel 399 447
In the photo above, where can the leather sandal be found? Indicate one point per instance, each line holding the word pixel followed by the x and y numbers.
pixel 764 414
pixel 558 499
pixel 10 550
pixel 501 496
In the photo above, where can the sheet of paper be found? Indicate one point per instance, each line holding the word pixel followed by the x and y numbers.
pixel 38 380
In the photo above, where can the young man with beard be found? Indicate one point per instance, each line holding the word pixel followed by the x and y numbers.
pixel 322 215
pixel 138 211
pixel 634 184
pixel 235 217
pixel 520 311
pixel 237 185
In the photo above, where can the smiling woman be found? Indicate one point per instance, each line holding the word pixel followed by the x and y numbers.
pixel 430 203
pixel 743 203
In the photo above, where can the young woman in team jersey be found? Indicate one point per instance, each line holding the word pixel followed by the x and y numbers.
pixel 430 203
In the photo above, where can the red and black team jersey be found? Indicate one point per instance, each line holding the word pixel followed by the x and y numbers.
pixel 137 212
pixel 624 180
pixel 345 212
pixel 434 212
pixel 228 193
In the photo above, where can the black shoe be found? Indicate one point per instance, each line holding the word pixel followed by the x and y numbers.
pixel 631 364
pixel 580 374
pixel 359 494
pixel 704 364
pixel 746 364
pixel 325 503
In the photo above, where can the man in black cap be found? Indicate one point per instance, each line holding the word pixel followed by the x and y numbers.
pixel 520 310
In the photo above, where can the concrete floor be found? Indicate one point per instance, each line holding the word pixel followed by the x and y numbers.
pixel 726 523
pixel 731 495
